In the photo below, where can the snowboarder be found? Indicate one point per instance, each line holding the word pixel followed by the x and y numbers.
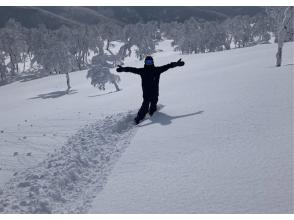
pixel 150 76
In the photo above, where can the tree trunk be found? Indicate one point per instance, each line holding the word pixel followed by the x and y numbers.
pixel 279 55
pixel 17 67
pixel 80 60
pixel 67 82
pixel 116 86
pixel 130 51
pixel 288 14
pixel 86 59
pixel 30 57
pixel 11 64
pixel 281 38
pixel 107 44
pixel 3 76
pixel 24 62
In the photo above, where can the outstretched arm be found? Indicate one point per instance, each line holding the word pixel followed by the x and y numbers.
pixel 128 69
pixel 170 65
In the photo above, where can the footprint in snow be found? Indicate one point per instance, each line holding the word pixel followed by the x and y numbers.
pixel 69 177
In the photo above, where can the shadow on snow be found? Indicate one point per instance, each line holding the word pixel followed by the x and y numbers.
pixel 55 94
pixel 165 119
pixel 92 96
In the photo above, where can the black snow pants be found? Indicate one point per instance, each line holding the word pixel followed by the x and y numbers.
pixel 148 105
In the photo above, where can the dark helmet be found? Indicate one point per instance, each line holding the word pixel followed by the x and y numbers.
pixel 149 61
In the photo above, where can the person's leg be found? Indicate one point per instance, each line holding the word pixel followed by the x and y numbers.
pixel 153 105
pixel 142 111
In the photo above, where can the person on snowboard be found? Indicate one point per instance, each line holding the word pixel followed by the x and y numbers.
pixel 150 75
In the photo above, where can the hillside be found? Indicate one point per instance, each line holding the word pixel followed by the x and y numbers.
pixel 54 17
pixel 175 13
pixel 222 143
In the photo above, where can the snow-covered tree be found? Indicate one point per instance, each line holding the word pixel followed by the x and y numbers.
pixel 109 32
pixel 261 28
pixel 100 73
pixel 143 36
pixel 54 55
pixel 227 27
pixel 37 43
pixel 215 37
pixel 145 48
pixel 79 41
pixel 145 39
pixel 171 30
pixel 127 39
pixel 189 37
pixel 29 39
pixel 276 14
pixel 197 36
pixel 13 43
pixel 242 31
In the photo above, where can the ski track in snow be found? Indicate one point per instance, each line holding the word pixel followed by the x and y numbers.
pixel 68 180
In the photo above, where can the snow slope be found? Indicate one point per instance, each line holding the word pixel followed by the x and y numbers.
pixel 222 143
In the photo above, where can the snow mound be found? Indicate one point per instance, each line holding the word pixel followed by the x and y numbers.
pixel 68 180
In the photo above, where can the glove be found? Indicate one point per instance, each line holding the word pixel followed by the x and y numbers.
pixel 119 69
pixel 180 62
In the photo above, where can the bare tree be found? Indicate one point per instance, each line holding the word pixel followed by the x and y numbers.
pixel 288 16
pixel 3 69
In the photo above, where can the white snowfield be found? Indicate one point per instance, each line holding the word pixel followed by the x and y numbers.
pixel 222 143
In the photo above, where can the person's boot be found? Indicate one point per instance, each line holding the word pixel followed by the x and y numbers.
pixel 137 120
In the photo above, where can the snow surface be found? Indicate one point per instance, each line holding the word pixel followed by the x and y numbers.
pixel 222 143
